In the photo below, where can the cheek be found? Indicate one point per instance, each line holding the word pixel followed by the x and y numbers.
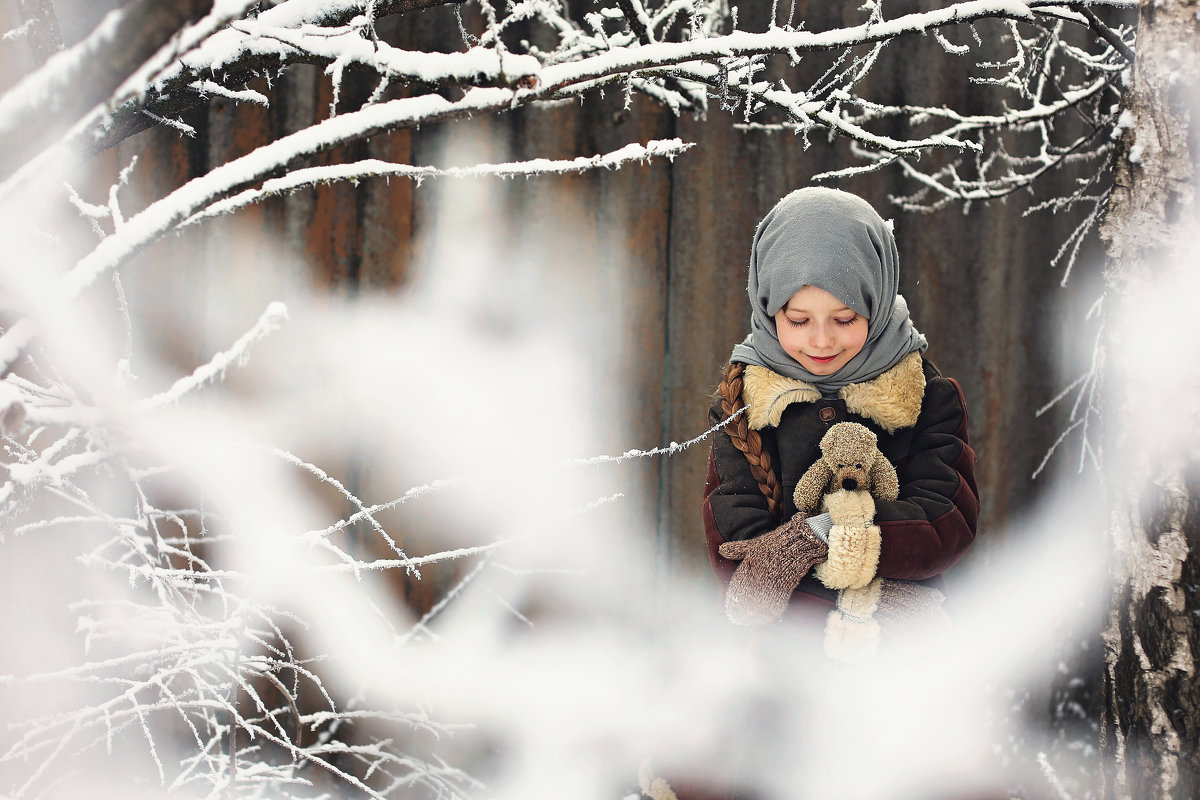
pixel 857 339
pixel 790 337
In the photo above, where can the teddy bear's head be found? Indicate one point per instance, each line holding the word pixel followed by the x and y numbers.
pixel 849 449
pixel 850 460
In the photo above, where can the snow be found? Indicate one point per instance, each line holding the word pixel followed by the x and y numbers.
pixel 294 13
pixel 349 47
pixel 1127 120
pixel 14 341
pixel 242 95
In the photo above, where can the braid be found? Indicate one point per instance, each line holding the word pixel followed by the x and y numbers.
pixel 748 441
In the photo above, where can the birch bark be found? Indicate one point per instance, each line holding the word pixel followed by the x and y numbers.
pixel 1150 726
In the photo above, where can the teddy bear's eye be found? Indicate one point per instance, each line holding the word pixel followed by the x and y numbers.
pixel 841 466
pixel 858 465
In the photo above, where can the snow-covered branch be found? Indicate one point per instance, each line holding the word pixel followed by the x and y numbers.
pixel 214 370
pixel 373 168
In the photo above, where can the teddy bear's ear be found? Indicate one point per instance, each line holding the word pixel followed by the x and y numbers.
pixel 811 486
pixel 885 485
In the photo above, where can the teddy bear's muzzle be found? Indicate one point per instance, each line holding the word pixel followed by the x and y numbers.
pixel 849 483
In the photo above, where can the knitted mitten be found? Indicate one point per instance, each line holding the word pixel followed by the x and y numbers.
pixel 772 565
pixel 906 607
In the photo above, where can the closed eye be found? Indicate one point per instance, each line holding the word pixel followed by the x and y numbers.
pixel 845 323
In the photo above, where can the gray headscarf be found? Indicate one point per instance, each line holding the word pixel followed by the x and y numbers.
pixel 835 241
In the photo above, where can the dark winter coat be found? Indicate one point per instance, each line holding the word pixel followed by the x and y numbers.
pixel 920 420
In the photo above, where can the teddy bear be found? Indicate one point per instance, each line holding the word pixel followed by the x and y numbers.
pixel 850 460
pixel 773 564
pixel 845 482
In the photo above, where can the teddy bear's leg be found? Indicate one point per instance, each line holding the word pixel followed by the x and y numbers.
pixel 851 633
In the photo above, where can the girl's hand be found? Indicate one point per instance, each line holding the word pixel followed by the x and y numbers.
pixel 772 566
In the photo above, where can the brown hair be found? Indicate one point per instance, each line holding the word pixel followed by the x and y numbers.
pixel 746 440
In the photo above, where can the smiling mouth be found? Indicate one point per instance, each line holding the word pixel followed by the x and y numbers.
pixel 824 360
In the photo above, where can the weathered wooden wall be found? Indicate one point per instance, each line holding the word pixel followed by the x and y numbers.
pixel 661 251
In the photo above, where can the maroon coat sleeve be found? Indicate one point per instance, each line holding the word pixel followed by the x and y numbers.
pixel 733 507
pixel 722 566
pixel 931 524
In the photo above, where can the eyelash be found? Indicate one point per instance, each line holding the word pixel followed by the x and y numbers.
pixel 847 323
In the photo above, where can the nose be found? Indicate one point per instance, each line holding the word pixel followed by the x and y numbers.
pixel 822 336
pixel 849 483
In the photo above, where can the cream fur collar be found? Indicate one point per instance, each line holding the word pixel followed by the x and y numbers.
pixel 893 399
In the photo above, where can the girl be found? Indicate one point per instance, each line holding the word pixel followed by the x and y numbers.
pixel 831 341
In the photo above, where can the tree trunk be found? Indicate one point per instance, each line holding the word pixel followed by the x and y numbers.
pixel 1150 726
pixel 45 37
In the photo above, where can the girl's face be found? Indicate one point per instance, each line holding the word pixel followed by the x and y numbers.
pixel 820 331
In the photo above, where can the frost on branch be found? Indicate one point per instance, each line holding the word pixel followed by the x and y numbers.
pixel 1060 67
pixel 192 659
